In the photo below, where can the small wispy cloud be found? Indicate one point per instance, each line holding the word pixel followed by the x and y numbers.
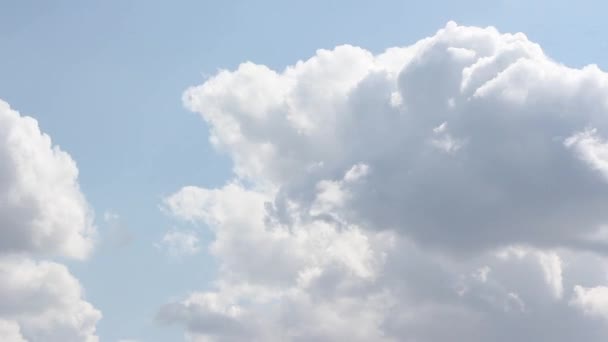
pixel 177 244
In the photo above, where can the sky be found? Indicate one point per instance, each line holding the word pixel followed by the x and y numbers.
pixel 234 171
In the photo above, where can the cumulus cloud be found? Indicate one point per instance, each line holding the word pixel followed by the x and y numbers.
pixel 451 189
pixel 45 300
pixel 41 207
pixel 42 213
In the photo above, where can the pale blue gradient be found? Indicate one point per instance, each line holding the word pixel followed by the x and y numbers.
pixel 104 79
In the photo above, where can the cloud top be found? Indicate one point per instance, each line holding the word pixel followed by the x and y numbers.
pixel 473 138
pixel 43 213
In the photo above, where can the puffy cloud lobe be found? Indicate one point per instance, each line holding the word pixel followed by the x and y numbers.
pixel 42 210
pixel 247 242
pixel 42 213
pixel 593 301
pixel 45 300
pixel 451 189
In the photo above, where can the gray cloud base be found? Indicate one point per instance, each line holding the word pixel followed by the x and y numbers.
pixel 42 214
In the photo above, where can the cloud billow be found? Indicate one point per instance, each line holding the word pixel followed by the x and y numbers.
pixel 458 181
pixel 42 210
pixel 42 214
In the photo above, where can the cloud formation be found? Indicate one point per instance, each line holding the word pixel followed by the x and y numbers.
pixel 42 210
pixel 42 214
pixel 451 189
pixel 46 301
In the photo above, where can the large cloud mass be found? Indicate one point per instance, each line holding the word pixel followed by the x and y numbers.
pixel 42 214
pixel 452 189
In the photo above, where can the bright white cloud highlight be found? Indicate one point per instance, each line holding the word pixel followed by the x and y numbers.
pixel 593 301
pixel 46 301
pixel 41 207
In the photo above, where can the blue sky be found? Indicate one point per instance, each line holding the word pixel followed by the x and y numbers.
pixel 105 79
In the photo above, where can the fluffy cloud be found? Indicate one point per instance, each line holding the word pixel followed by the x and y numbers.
pixel 10 331
pixel 489 134
pixel 42 213
pixel 41 207
pixel 452 189
pixel 46 301
pixel 593 301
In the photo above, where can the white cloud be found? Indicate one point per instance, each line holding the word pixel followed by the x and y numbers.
pixel 593 301
pixel 441 191
pixel 10 331
pixel 45 301
pixel 42 213
pixel 179 243
pixel 591 149
pixel 41 207
pixel 552 268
